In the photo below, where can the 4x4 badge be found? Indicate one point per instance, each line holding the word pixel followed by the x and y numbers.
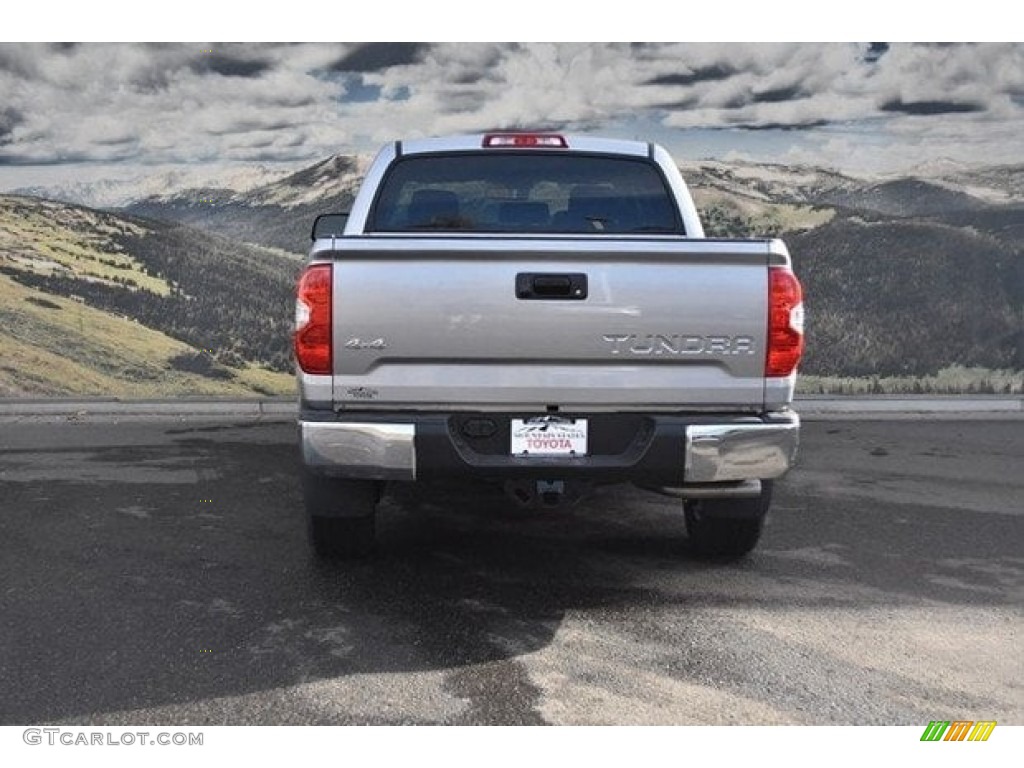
pixel 356 343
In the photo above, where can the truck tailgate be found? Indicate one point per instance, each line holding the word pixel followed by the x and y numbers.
pixel 645 323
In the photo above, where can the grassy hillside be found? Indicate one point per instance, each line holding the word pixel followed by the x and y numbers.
pixel 95 303
pixel 730 215
pixel 51 345
pixel 51 238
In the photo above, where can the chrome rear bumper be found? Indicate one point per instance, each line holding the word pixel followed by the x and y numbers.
pixel 358 449
pixel 718 453
pixel 727 453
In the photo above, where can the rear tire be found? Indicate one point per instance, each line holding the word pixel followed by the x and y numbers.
pixel 726 529
pixel 341 515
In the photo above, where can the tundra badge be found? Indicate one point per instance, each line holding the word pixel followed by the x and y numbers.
pixel 678 344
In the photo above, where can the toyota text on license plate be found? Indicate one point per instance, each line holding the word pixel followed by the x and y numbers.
pixel 549 436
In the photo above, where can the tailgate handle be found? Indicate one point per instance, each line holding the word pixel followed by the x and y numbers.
pixel 547 285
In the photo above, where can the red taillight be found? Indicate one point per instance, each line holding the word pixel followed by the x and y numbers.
pixel 785 322
pixel 313 320
pixel 519 140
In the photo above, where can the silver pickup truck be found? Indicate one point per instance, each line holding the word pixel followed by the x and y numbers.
pixel 542 311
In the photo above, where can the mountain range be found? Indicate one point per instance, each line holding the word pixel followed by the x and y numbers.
pixel 277 214
pixel 118 190
pixel 188 288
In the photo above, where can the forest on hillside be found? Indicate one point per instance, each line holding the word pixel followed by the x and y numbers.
pixel 890 297
pixel 232 300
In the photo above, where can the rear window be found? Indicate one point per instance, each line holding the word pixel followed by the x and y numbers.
pixel 526 193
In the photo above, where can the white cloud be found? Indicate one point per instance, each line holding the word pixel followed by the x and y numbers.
pixel 205 102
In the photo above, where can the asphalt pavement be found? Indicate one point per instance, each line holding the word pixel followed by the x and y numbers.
pixel 157 571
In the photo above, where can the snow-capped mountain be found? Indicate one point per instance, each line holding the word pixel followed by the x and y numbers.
pixel 278 214
pixel 119 192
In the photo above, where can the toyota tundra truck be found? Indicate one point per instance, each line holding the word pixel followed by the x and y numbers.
pixel 542 311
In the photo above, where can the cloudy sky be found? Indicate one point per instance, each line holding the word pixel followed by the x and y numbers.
pixel 862 107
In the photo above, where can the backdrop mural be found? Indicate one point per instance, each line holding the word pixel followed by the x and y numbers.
pixel 155 200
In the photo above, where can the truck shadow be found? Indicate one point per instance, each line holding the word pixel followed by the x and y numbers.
pixel 131 601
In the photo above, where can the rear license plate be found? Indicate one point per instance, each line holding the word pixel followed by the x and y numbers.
pixel 549 436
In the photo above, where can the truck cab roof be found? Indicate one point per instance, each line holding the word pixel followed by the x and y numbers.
pixel 498 141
